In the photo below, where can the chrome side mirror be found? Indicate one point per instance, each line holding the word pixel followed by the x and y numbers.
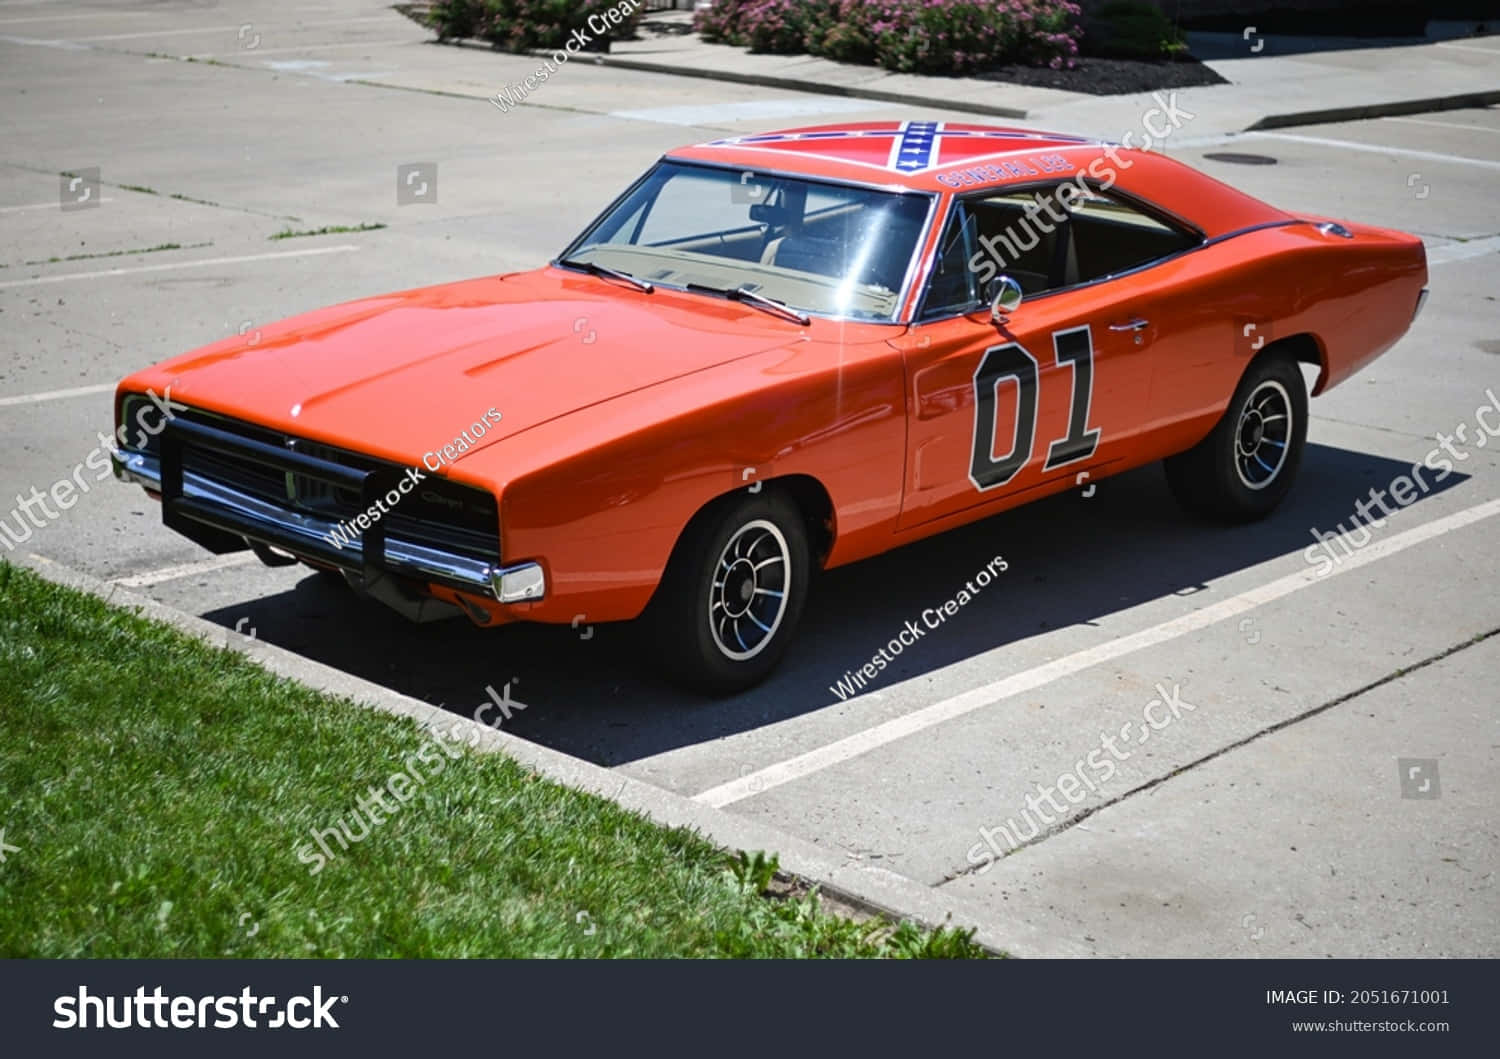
pixel 1005 299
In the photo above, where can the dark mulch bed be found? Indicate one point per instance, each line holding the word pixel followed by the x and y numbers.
pixel 1096 76
pixel 665 27
pixel 1109 77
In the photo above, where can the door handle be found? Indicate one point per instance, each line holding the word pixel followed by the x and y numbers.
pixel 1140 323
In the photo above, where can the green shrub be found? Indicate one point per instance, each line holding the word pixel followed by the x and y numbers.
pixel 918 36
pixel 719 24
pixel 1132 29
pixel 526 25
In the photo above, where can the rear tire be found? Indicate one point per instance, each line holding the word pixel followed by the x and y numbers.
pixel 1247 464
pixel 733 593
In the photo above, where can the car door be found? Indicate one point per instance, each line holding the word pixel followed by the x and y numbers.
pixel 1059 390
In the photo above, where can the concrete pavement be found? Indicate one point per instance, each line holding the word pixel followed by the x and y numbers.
pixel 1272 82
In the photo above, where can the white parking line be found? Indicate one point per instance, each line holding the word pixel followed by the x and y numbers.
pixel 56 395
pixel 713 114
pixel 243 53
pixel 1373 148
pixel 314 68
pixel 859 743
pixel 262 30
pixel 1189 143
pixel 41 206
pixel 1446 124
pixel 35 42
pixel 1456 251
pixel 172 573
pixel 341 248
pixel 74 18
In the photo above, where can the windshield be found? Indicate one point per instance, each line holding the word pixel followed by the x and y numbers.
pixel 823 248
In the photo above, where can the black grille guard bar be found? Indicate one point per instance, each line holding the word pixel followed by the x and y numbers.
pixel 189 501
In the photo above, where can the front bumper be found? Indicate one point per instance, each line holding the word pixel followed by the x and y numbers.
pixel 211 512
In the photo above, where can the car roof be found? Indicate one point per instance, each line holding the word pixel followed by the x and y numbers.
pixel 945 156
pixel 905 153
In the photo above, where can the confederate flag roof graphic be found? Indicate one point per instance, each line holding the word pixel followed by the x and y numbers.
pixel 902 147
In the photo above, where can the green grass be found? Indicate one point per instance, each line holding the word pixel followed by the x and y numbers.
pixel 157 791
pixel 332 229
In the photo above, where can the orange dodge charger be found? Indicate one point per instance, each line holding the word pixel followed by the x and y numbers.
pixel 772 354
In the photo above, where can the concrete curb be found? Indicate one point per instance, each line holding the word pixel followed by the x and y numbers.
pixel 1290 119
pixel 797 84
pixel 793 84
pixel 872 889
pixel 1377 110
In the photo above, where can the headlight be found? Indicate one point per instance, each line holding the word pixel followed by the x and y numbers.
pixel 143 421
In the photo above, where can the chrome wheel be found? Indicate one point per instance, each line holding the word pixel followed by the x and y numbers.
pixel 747 595
pixel 1262 436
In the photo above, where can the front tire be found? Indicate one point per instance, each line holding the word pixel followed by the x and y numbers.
pixel 733 593
pixel 329 576
pixel 1247 464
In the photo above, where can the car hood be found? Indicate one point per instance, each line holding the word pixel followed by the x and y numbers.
pixel 405 374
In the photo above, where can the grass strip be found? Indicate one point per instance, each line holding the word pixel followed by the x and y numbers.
pixel 159 797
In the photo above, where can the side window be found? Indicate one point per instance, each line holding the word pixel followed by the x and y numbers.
pixel 1110 236
pixel 1059 236
pixel 953 286
pixel 1019 240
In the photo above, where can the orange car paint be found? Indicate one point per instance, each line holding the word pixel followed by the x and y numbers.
pixel 614 433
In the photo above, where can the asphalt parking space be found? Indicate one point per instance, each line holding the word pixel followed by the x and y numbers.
pixel 138 225
pixel 1434 378
pixel 1431 180
pixel 918 802
pixel 282 135
pixel 1337 858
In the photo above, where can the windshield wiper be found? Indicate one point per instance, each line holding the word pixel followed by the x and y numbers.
pixel 760 301
pixel 613 273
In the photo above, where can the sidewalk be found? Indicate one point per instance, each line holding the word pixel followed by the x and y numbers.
pixel 1268 88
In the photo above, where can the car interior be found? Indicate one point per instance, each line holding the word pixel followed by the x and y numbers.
pixel 822 239
pixel 1101 236
pixel 821 247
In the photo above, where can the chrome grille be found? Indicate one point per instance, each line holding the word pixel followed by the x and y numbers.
pixel 438 511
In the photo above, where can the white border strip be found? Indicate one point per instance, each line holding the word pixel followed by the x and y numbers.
pixel 890 731
pixel 172 573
